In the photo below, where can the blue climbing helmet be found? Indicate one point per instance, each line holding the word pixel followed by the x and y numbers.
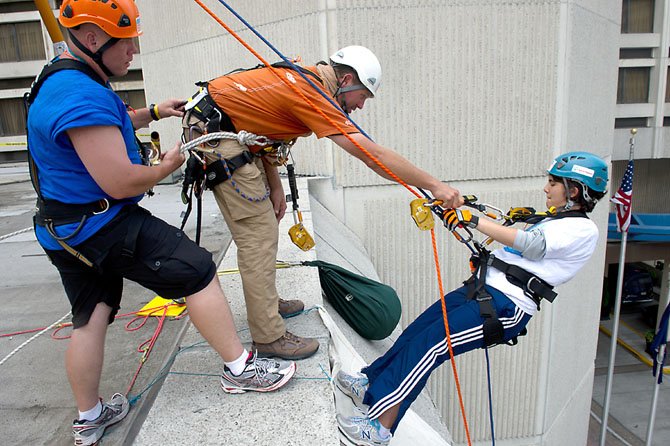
pixel 585 168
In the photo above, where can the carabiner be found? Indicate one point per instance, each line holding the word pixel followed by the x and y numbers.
pixel 492 212
pixel 459 232
pixel 489 210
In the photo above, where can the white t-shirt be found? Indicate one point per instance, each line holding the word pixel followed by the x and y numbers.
pixel 570 242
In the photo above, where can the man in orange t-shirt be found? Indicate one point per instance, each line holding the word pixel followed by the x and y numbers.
pixel 256 101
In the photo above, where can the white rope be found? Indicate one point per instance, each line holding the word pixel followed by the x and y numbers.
pixel 16 233
pixel 243 137
pixel 33 338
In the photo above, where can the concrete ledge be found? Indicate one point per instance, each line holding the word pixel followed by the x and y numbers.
pixel 191 408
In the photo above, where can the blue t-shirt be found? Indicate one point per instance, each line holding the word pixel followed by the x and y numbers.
pixel 70 99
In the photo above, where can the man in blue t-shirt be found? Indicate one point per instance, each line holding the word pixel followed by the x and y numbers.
pixel 89 177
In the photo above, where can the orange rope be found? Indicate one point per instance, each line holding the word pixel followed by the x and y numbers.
pixel 386 170
pixel 446 328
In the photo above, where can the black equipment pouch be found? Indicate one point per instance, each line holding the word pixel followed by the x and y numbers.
pixel 216 172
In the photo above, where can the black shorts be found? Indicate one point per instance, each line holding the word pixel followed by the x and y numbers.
pixel 159 257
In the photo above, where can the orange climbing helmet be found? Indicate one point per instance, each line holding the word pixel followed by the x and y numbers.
pixel 118 18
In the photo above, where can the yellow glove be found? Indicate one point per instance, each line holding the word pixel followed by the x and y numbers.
pixel 454 218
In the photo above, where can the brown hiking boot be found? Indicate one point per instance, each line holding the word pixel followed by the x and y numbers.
pixel 288 308
pixel 288 346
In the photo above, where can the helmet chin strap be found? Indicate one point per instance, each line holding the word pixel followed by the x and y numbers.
pixel 342 102
pixel 341 90
pixel 568 201
pixel 97 56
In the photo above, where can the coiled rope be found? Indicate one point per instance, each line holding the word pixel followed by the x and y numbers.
pixel 243 137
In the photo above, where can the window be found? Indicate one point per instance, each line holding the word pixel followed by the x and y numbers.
pixel 637 16
pixel 21 41
pixel 12 117
pixel 132 76
pixel 667 84
pixel 629 123
pixel 666 121
pixel 134 98
pixel 633 85
pixel 635 53
pixel 6 7
pixel 16 83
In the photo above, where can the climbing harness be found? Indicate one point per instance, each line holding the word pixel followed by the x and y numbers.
pixel 481 259
pixel 200 175
pixel 51 213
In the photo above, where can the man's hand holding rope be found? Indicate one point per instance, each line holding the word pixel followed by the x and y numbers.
pixel 451 198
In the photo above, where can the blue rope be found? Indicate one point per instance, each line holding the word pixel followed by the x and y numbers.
pixel 488 377
pixel 293 66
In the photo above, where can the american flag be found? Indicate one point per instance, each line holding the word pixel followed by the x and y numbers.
pixel 622 199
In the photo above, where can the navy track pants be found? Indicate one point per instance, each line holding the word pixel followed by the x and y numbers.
pixel 402 372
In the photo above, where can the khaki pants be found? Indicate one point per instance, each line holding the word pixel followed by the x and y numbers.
pixel 254 228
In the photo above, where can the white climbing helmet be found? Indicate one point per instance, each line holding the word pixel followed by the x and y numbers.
pixel 364 62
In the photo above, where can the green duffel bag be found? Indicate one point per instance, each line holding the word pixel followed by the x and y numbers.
pixel 369 307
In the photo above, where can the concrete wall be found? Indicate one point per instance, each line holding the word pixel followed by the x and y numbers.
pixel 482 94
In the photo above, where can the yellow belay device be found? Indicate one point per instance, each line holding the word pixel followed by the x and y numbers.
pixel 298 233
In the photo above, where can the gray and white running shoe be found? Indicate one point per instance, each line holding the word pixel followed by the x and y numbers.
pixel 362 431
pixel 89 432
pixel 259 375
pixel 354 386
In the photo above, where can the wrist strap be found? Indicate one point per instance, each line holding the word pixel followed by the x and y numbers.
pixel 153 111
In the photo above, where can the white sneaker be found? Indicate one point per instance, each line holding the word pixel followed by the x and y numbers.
pixel 259 375
pixel 362 431
pixel 354 386
pixel 89 432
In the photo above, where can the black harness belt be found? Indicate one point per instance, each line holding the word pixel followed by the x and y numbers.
pixel 533 287
pixel 59 213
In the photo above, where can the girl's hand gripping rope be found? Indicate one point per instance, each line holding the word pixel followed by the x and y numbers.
pixel 456 218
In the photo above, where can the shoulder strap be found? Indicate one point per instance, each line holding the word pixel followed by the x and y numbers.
pixel 29 98
pixel 283 64
pixel 280 64
pixel 60 65
pixel 534 219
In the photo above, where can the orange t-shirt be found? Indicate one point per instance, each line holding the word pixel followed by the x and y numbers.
pixel 259 102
